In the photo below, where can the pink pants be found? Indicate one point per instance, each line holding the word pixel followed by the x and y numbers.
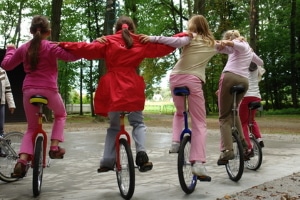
pixel 55 103
pixel 197 114
pixel 244 116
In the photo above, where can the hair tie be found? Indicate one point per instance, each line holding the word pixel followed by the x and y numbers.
pixel 124 26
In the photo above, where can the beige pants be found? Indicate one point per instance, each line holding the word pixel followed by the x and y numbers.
pixel 225 101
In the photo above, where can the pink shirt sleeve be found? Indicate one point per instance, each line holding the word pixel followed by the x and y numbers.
pixel 12 59
pixel 257 60
pixel 175 42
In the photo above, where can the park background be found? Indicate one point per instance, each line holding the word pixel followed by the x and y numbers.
pixel 271 27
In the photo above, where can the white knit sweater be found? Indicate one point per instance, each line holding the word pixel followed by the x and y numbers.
pixel 6 94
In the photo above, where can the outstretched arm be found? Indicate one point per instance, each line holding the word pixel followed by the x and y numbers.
pixel 12 58
pixel 94 50
pixel 177 41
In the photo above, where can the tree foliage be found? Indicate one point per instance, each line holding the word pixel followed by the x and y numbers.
pixel 272 28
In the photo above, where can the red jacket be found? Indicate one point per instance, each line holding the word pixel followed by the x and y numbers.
pixel 121 88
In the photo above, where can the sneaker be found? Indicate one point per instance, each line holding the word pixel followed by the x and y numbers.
pixel 248 154
pixel 225 156
pixel 199 170
pixel 174 147
pixel 59 154
pixel 104 169
pixel 142 161
pixel 19 170
pixel 261 143
pixel 2 154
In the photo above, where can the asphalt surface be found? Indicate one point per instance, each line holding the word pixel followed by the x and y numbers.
pixel 75 176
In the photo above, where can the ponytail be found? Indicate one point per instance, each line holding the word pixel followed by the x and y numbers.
pixel 39 26
pixel 126 36
pixel 33 50
pixel 127 26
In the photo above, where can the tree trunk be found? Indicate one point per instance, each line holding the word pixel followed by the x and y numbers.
pixel 55 30
pixel 199 7
pixel 293 55
pixel 254 27
pixel 55 19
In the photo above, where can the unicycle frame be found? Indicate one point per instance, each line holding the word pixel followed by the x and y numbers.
pixel 39 131
pixel 121 133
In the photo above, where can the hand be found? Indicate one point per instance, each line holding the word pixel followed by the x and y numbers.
pixel 144 38
pixel 241 39
pixel 219 45
pixel 101 39
pixel 217 93
pixel 56 43
pixel 10 46
pixel 12 110
pixel 222 43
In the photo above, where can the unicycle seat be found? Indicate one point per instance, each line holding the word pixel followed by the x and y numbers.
pixel 254 105
pixel 237 88
pixel 181 91
pixel 38 99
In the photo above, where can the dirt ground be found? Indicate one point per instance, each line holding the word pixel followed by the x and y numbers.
pixel 268 124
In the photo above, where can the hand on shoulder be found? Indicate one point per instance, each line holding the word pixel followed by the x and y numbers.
pixel 101 39
pixel 144 38
pixel 10 46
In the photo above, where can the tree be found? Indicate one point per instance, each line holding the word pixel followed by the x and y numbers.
pixel 55 19
pixel 293 41
pixel 273 32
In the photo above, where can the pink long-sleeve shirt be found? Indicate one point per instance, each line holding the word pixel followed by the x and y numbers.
pixel 239 58
pixel 45 76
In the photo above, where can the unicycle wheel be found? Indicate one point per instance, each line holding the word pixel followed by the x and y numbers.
pixel 187 180
pixel 126 172
pixel 235 167
pixel 37 173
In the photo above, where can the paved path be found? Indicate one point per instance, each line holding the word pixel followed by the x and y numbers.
pixel 75 176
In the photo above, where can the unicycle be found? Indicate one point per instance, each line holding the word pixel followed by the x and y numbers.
pixel 39 138
pixel 187 179
pixel 255 160
pixel 125 169
pixel 235 167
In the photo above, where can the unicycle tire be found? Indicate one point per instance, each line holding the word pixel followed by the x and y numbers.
pixel 37 173
pixel 235 167
pixel 255 162
pixel 187 180
pixel 126 173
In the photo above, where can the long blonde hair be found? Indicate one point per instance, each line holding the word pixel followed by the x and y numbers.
pixel 198 24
